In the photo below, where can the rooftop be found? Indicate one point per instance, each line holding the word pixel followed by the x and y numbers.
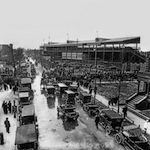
pixel 98 41
pixel 26 134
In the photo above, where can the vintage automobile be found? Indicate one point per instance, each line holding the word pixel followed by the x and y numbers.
pixel 26 89
pixel 90 108
pixel 26 137
pixel 50 89
pixel 23 89
pixel 74 88
pixel 133 138
pixel 27 115
pixel 62 87
pixel 24 98
pixel 67 82
pixel 69 97
pixel 84 97
pixel 26 82
pixel 111 120
pixel 68 112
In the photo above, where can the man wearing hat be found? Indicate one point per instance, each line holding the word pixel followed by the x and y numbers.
pixel 7 125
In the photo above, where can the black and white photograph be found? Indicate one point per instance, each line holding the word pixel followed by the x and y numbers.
pixel 74 75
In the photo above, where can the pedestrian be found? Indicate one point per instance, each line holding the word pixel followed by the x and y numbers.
pixel 108 102
pixel 5 87
pixel 14 102
pixel 15 88
pixel 7 125
pixel 10 86
pixel 124 110
pixel 78 84
pixel 97 120
pixel 95 89
pixel 146 125
pixel 90 89
pixel 90 86
pixel 15 110
pixel 9 106
pixel 3 106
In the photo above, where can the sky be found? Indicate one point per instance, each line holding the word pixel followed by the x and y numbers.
pixel 30 23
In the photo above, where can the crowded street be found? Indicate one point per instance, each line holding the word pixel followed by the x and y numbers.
pixel 54 133
pixel 70 79
pixel 52 129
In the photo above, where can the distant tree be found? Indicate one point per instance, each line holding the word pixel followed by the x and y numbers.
pixel 18 55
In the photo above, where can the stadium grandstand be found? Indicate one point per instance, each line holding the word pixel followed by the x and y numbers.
pixel 121 52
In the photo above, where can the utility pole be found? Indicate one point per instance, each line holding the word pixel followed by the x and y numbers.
pixel 120 77
pixel 13 60
pixel 95 88
pixel 119 89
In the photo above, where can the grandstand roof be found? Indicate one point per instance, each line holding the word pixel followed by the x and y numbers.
pixel 125 40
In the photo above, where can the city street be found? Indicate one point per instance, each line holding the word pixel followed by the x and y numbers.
pixel 54 133
pixel 70 79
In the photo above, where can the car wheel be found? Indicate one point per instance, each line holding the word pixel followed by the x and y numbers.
pixel 108 129
pixel 119 138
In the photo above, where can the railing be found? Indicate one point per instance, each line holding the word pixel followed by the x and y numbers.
pixel 143 74
pixel 138 113
pixel 132 97
pixel 145 97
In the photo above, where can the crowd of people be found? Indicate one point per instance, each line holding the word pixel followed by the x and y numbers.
pixel 85 78
pixel 7 107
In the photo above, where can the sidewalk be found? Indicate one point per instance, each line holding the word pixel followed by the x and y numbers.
pixel 9 138
pixel 137 120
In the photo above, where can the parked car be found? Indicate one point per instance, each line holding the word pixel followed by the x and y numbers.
pixel 50 89
pixel 69 97
pixel 26 82
pixel 24 98
pixel 111 120
pixel 62 87
pixel 27 115
pixel 90 108
pixel 84 97
pixel 67 82
pixel 133 138
pixel 74 88
pixel 26 137
pixel 68 112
